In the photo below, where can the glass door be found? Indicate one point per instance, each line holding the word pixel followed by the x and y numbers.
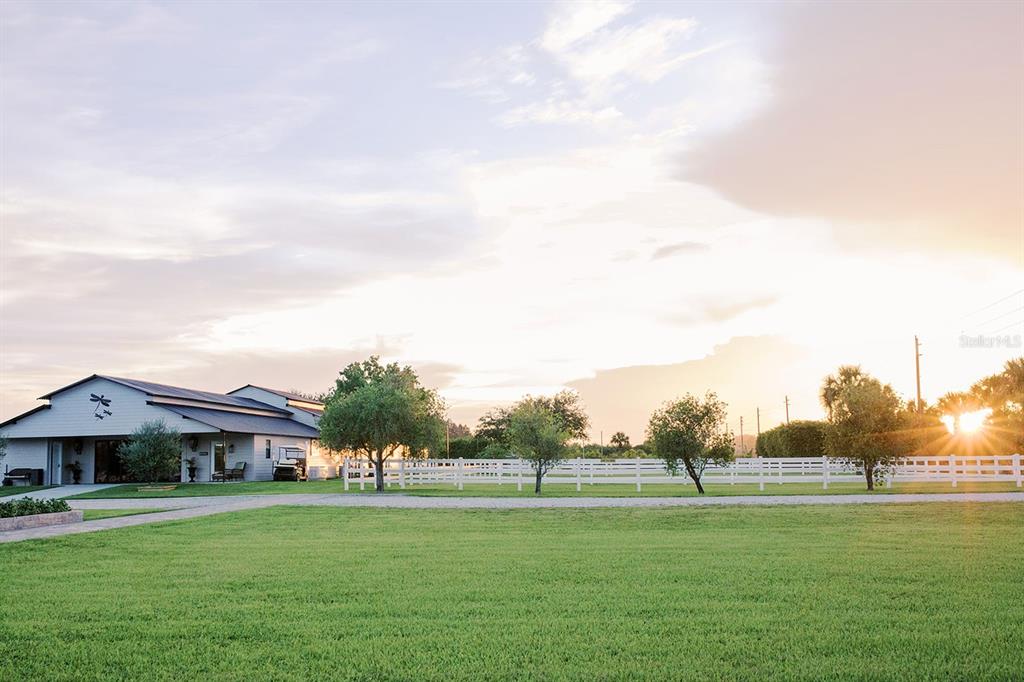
pixel 218 456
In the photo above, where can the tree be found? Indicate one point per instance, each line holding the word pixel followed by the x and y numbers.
pixel 565 406
pixel 152 453
pixel 458 430
pixel 375 410
pixel 864 423
pixel 691 431
pixel 1003 393
pixel 620 441
pixel 834 384
pixel 536 435
pixel 799 438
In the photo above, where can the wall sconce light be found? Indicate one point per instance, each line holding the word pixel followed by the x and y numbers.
pixel 77 446
pixel 193 443
pixel 231 447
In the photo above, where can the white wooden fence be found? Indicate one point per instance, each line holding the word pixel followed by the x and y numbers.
pixel 639 472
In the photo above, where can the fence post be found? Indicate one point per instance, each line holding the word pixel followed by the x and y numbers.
pixel 344 473
pixel 952 469
pixel 590 467
pixel 1016 470
pixel 362 476
pixel 779 462
pixel 519 475
pixel 579 475
pixel 732 472
pixel 638 474
pixel 458 475
pixel 760 473
pixel 401 473
pixel 824 472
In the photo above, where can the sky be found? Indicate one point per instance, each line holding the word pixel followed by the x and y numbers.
pixel 631 200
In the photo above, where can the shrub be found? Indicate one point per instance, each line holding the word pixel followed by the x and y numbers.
pixel 28 506
pixel 797 439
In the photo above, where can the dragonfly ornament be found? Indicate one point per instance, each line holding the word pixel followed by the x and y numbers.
pixel 101 404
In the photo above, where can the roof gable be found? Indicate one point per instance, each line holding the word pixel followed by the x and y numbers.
pixel 167 391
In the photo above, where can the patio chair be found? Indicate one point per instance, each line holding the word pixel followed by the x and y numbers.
pixel 236 474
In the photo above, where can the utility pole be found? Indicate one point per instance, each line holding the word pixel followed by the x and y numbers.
pixel 759 422
pixel 742 446
pixel 917 367
pixel 787 410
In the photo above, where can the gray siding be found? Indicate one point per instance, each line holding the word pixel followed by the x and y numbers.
pixel 71 414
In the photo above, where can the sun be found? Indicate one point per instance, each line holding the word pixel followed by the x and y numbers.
pixel 968 422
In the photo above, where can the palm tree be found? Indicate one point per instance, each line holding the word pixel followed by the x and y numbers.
pixel 833 385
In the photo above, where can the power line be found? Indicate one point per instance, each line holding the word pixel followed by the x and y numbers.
pixel 998 317
pixel 1012 324
pixel 991 305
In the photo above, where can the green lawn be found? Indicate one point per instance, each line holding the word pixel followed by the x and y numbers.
pixel 95 514
pixel 549 490
pixel 8 490
pixel 929 591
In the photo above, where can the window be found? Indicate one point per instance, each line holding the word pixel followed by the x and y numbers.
pixel 268 448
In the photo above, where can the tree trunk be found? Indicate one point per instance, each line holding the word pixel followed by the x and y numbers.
pixel 540 475
pixel 869 474
pixel 378 473
pixel 693 475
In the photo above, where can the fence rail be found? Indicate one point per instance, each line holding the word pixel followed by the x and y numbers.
pixel 639 472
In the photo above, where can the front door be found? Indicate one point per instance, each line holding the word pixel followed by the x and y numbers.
pixel 56 464
pixel 218 456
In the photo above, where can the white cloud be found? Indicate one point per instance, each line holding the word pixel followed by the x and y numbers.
pixel 575 21
pixel 555 111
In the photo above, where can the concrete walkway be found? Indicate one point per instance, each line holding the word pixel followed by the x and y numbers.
pixel 191 507
pixel 59 491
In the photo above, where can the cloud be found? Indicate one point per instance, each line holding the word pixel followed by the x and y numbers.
pixel 574 21
pixel 912 138
pixel 681 247
pixel 555 111
pixel 746 372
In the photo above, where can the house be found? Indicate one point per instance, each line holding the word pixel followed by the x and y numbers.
pixel 86 421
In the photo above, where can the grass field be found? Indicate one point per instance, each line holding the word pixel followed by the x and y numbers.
pixel 96 514
pixel 930 591
pixel 8 490
pixel 549 490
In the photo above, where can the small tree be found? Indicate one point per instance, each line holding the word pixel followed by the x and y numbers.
pixel 153 452
pixel 375 410
pixel 691 432
pixel 864 423
pixel 568 410
pixel 535 435
pixel 620 441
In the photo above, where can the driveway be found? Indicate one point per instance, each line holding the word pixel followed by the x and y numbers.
pixel 59 492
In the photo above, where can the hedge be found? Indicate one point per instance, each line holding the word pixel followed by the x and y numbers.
pixel 796 439
pixel 28 506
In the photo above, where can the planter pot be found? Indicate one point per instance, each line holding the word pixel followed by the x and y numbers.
pixel 192 471
pixel 77 477
pixel 39 520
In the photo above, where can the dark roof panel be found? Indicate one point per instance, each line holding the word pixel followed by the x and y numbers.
pixel 283 394
pixel 236 422
pixel 165 391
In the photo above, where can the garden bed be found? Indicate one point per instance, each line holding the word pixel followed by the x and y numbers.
pixel 30 513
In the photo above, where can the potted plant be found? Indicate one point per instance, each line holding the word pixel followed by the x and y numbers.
pixel 193 468
pixel 76 471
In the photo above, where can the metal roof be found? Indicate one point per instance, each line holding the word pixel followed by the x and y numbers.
pixel 237 422
pixel 283 394
pixel 14 420
pixel 165 391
